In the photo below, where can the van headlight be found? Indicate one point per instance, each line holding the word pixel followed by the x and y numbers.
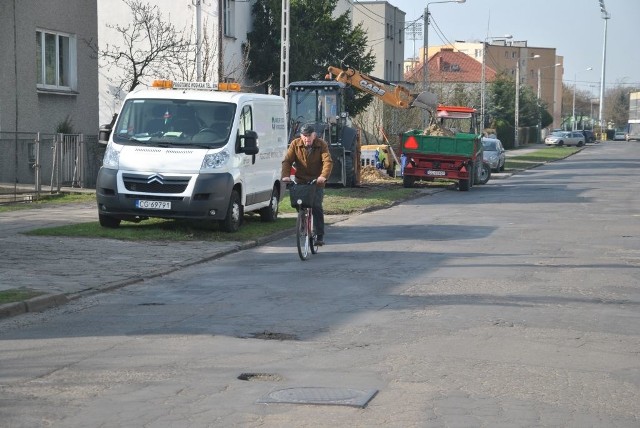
pixel 111 157
pixel 215 160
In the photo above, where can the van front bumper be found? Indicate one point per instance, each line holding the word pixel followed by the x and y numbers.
pixel 209 198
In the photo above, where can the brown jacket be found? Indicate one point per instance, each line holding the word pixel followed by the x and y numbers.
pixel 308 167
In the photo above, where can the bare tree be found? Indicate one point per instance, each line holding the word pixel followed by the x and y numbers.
pixel 184 66
pixel 149 45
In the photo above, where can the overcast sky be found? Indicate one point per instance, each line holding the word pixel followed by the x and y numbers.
pixel 574 27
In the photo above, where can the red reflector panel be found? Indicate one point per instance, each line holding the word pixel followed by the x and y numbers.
pixel 463 169
pixel 411 143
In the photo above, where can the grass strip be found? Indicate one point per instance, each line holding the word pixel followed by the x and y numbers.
pixel 17 295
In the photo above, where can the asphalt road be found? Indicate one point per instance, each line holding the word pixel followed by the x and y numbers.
pixel 514 304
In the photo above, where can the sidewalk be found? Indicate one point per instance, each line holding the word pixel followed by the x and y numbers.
pixel 524 150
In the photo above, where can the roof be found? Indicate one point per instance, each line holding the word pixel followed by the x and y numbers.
pixel 449 66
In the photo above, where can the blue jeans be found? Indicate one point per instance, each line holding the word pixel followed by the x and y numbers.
pixel 318 212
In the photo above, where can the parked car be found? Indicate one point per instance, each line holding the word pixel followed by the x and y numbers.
pixel 565 138
pixel 589 136
pixel 493 153
pixel 620 136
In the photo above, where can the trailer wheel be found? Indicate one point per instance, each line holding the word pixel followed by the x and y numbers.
pixel 463 185
pixel 473 178
pixel 407 181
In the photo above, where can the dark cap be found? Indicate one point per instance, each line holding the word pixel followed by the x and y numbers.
pixel 307 129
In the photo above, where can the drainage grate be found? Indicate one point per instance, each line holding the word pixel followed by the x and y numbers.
pixel 261 377
pixel 321 396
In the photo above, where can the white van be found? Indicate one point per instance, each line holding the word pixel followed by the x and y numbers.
pixel 190 150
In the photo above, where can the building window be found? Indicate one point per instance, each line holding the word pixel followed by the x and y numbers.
pixel 229 14
pixel 56 60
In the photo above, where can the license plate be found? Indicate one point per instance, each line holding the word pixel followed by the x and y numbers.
pixel 153 205
pixel 436 173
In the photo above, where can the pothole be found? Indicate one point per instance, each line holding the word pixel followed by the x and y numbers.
pixel 270 335
pixel 261 377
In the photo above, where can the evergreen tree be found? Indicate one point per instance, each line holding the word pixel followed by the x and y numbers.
pixel 317 40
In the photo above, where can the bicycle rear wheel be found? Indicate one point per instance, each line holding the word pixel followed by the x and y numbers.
pixel 302 234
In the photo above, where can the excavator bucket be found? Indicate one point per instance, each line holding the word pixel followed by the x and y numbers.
pixel 425 100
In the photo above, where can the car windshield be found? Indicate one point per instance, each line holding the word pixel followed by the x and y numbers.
pixel 174 123
pixel 560 134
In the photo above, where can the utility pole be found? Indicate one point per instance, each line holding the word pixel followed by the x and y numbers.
pixel 605 16
pixel 198 5
pixel 220 32
pixel 284 50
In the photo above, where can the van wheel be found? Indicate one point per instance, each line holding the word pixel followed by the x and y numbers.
pixel 233 220
pixel 108 221
pixel 270 213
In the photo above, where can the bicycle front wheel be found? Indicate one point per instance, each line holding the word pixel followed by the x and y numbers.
pixel 302 234
pixel 312 234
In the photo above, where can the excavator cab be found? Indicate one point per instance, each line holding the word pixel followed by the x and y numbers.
pixel 322 103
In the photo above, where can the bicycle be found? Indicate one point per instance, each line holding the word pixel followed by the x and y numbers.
pixel 302 196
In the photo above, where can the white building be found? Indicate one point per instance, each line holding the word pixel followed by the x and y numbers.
pixel 228 29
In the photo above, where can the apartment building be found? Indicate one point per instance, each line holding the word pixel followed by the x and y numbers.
pixel 540 68
pixel 49 74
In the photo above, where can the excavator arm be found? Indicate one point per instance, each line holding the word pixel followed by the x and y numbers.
pixel 390 93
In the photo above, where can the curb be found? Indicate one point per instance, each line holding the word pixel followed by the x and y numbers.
pixel 35 304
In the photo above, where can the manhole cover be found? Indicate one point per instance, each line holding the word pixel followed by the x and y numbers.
pixel 321 396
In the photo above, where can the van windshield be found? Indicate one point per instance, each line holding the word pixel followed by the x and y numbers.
pixel 169 122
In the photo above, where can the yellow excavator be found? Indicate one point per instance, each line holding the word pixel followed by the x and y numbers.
pixel 388 92
pixel 323 104
pixel 382 155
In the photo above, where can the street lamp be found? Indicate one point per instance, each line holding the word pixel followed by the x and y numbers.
pixel 483 82
pixel 516 142
pixel 605 16
pixel 573 111
pixel 540 96
pixel 425 63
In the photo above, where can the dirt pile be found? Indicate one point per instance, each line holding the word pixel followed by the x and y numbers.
pixel 372 175
pixel 437 130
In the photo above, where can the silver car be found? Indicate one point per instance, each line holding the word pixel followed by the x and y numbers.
pixel 493 153
pixel 565 138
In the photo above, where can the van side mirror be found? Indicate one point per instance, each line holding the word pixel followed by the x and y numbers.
pixel 104 134
pixel 105 130
pixel 250 146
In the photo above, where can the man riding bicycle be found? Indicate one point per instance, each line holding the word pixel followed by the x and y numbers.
pixel 312 161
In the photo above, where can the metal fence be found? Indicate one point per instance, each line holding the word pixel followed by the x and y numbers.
pixel 33 163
